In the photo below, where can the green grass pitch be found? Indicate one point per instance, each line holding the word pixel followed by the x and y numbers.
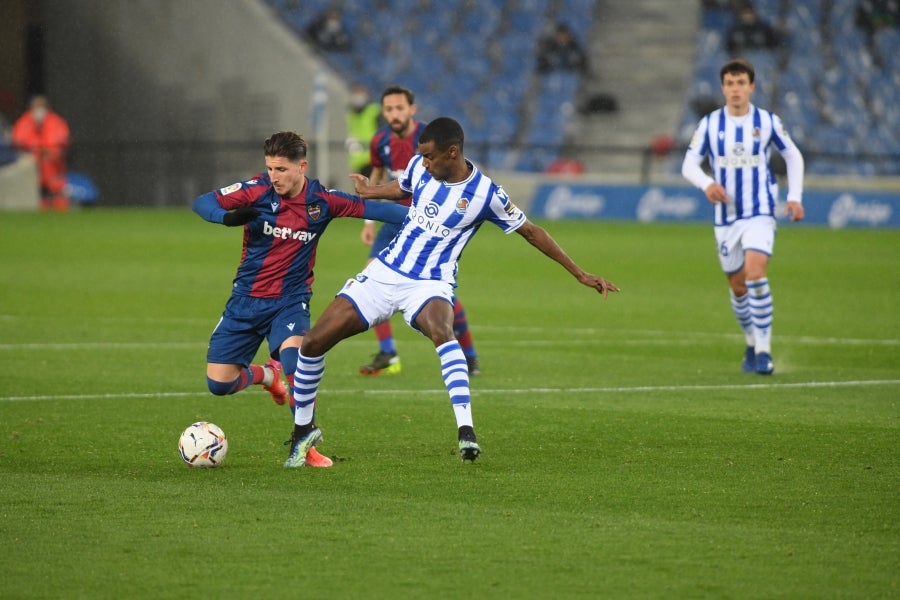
pixel 625 454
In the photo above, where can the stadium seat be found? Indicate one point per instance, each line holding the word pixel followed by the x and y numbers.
pixel 486 88
pixel 826 85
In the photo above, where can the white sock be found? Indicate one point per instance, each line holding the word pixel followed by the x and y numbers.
pixel 455 372
pixel 762 312
pixel 268 376
pixel 741 307
pixel 306 386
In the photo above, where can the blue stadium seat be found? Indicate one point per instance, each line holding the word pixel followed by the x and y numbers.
pixel 830 90
pixel 484 90
pixel 716 19
pixel 887 41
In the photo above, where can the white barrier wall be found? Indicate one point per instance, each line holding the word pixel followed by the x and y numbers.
pixel 19 185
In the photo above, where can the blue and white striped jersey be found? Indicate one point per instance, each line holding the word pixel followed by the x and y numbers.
pixel 738 149
pixel 442 219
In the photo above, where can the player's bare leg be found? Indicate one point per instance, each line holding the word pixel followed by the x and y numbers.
pixel 225 379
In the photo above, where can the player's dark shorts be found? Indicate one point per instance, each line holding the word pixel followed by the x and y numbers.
pixel 384 237
pixel 247 321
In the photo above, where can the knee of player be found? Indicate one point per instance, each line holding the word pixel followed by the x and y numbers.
pixel 219 388
pixel 441 336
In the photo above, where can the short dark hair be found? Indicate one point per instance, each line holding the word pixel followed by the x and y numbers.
pixel 399 89
pixel 738 65
pixel 444 132
pixel 287 144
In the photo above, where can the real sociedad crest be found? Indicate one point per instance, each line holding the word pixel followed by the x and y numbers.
pixel 314 211
pixel 462 205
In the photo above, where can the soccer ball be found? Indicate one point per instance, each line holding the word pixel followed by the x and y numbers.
pixel 203 444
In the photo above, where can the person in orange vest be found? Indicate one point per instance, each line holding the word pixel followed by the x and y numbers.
pixel 45 135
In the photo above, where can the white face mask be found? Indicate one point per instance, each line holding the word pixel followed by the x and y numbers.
pixel 39 113
pixel 358 100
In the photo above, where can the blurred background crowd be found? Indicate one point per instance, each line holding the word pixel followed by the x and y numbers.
pixel 161 100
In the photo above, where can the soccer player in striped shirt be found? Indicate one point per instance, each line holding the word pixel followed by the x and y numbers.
pixel 283 214
pixel 416 273
pixel 737 139
pixel 390 150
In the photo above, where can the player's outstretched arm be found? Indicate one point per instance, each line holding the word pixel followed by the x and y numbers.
pixel 387 191
pixel 387 212
pixel 208 207
pixel 539 238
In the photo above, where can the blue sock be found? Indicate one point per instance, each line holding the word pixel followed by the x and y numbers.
pixel 288 359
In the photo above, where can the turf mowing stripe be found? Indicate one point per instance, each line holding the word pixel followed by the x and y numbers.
pixel 682 339
pixel 591 390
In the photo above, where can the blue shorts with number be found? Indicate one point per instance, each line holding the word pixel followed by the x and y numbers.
pixel 247 321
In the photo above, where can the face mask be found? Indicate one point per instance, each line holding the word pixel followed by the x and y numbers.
pixel 358 101
pixel 39 113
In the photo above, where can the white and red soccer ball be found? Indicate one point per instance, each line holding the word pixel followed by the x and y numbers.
pixel 203 444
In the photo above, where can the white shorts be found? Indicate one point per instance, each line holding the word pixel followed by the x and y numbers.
pixel 379 292
pixel 755 233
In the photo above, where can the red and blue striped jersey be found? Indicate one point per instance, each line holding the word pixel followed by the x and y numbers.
pixel 279 251
pixel 394 153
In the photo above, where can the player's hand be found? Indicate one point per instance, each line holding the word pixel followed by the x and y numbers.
pixel 367 235
pixel 598 283
pixel 794 210
pixel 240 216
pixel 360 182
pixel 716 193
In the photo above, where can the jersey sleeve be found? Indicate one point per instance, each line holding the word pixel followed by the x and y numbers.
pixel 374 154
pixel 207 206
pixel 213 205
pixel 780 136
pixel 242 193
pixel 502 212
pixel 387 212
pixel 341 204
pixel 699 145
pixel 409 174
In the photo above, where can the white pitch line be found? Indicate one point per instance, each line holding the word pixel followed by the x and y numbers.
pixel 477 392
pixel 101 345
pixel 622 338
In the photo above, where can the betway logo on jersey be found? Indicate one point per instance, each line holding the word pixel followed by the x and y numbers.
pixel 286 233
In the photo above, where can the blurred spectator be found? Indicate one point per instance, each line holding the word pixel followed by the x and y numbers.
pixel 565 166
pixel 559 50
pixel 873 15
pixel 750 33
pixel 703 105
pixel 328 33
pixel 45 135
pixel 363 120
